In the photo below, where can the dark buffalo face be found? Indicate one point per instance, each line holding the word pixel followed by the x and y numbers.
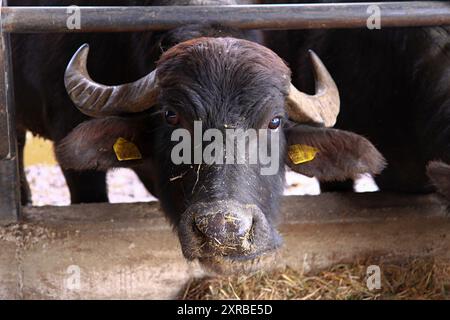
pixel 223 212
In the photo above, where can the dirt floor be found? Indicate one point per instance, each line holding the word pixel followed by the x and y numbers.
pixel 417 279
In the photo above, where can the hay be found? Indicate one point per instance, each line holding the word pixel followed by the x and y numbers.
pixel 417 279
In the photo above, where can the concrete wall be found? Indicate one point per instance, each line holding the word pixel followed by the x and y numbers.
pixel 130 251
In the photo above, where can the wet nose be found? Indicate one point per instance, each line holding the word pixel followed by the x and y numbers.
pixel 229 230
pixel 224 226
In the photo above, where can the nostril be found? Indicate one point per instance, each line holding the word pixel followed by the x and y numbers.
pixel 202 222
pixel 227 230
pixel 225 227
pixel 250 233
pixel 239 225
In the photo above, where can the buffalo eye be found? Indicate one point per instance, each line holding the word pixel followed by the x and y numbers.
pixel 172 118
pixel 275 123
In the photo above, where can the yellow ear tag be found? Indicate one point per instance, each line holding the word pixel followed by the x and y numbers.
pixel 126 150
pixel 301 153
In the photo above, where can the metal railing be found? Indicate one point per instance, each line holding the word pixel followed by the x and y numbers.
pixel 290 16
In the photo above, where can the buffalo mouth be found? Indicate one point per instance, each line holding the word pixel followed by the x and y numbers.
pixel 224 265
pixel 227 237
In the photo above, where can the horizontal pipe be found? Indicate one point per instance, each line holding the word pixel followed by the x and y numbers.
pixel 292 16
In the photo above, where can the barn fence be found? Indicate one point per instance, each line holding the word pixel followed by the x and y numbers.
pixel 405 225
pixel 130 251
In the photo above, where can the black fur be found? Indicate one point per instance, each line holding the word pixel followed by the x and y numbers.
pixel 204 73
pixel 394 86
pixel 39 60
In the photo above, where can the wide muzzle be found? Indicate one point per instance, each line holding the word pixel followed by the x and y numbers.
pixel 226 229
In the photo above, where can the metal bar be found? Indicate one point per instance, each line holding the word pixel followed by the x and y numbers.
pixel 9 172
pixel 292 16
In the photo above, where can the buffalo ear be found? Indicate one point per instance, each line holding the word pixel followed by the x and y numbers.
pixel 90 146
pixel 337 155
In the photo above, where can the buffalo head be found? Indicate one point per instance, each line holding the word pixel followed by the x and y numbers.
pixel 224 212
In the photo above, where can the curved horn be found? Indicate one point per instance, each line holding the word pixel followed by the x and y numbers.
pixel 323 107
pixel 97 100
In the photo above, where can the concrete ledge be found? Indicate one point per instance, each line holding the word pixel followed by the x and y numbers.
pixel 130 251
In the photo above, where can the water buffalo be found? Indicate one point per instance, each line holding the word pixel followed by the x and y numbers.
pixel 224 213
pixel 394 86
